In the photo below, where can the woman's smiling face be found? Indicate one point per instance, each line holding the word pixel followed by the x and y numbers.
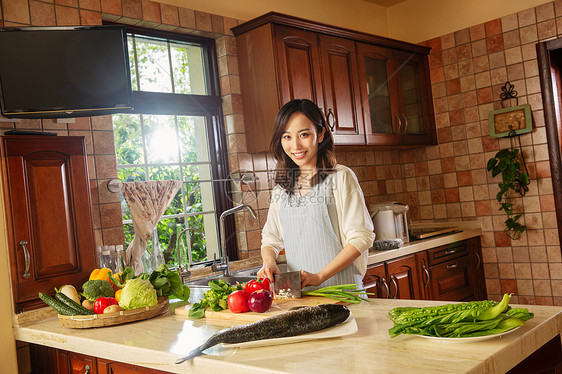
pixel 300 141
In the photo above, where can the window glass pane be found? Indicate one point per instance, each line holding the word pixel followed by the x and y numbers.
pixel 125 213
pixel 412 99
pixel 162 173
pixel 128 137
pixel 132 64
pixel 187 68
pixel 379 99
pixel 206 223
pixel 199 197
pixel 161 139
pixel 197 172
pixel 131 174
pixel 129 232
pixel 167 238
pixel 153 65
pixel 169 147
pixel 193 139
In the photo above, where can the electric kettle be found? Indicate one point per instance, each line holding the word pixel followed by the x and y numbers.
pixel 390 221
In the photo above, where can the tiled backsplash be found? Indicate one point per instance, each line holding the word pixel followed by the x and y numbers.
pixel 443 182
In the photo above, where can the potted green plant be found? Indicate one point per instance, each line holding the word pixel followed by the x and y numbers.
pixel 507 163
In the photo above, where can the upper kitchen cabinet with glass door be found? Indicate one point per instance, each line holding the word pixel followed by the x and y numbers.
pixel 397 105
pixel 373 90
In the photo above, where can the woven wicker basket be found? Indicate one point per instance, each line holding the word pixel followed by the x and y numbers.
pixel 111 319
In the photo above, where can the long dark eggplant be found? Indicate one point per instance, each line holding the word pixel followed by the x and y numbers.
pixel 298 322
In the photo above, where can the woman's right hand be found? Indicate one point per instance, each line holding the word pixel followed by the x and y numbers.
pixel 267 271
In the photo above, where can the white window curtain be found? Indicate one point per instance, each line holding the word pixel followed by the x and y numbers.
pixel 147 202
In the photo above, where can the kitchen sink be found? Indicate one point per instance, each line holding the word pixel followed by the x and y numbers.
pixel 203 282
pixel 240 276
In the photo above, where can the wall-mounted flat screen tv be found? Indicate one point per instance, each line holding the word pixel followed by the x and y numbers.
pixel 55 72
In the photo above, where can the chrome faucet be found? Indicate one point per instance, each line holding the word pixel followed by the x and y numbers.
pixel 224 265
pixel 185 273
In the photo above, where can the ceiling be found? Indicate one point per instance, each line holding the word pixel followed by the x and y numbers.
pixel 385 3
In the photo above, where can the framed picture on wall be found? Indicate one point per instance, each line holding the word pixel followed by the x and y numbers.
pixel 503 121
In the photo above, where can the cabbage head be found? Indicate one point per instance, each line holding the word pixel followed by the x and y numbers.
pixel 137 293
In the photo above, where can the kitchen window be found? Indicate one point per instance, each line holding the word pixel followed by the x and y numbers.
pixel 175 132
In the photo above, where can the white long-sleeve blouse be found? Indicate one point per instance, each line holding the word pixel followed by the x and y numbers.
pixel 354 223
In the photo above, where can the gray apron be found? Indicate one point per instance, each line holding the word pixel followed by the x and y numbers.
pixel 310 240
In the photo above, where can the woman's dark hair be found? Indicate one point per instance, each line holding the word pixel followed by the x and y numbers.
pixel 287 171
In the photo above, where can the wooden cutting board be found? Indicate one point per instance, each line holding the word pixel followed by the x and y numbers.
pixel 277 307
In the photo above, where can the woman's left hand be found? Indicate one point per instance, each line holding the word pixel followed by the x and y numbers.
pixel 310 279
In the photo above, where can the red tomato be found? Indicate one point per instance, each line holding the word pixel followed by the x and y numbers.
pixel 102 303
pixel 238 302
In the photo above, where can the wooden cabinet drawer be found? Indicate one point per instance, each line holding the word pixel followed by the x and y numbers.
pixel 447 252
pixel 451 280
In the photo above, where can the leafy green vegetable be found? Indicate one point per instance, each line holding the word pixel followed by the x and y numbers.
pixel 95 288
pixel 520 313
pixel 138 293
pixel 475 318
pixel 165 281
pixel 127 274
pixel 344 292
pixel 214 299
pixel 496 310
pixel 504 325
pixel 402 315
pixel 168 283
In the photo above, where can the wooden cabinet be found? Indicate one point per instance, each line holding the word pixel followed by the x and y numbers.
pixel 298 64
pixel 375 281
pixel 447 273
pixel 281 58
pixel 75 363
pixel 57 361
pixel 393 279
pixel 398 109
pixel 342 97
pixel 48 211
pixel 455 272
pixel 114 367
pixel 477 268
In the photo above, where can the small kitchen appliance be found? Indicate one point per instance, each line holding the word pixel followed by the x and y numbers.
pixel 391 224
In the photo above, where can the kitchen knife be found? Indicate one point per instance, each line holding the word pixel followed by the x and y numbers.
pixel 287 284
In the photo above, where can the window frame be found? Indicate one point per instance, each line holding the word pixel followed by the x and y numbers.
pixel 208 106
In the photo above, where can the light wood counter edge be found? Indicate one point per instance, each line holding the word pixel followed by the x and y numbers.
pixel 376 256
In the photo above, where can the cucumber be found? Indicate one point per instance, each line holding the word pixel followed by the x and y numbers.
pixel 57 305
pixel 72 304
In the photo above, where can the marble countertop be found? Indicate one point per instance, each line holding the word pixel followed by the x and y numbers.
pixel 158 342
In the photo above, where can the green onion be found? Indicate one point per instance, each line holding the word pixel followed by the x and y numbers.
pixel 343 292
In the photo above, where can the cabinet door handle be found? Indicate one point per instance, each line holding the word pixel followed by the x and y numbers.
pixel 331 124
pixel 399 124
pixel 88 368
pixel 393 280
pixel 23 243
pixel 426 283
pixel 387 288
pixel 450 251
pixel 405 123
pixel 477 260
pixel 452 266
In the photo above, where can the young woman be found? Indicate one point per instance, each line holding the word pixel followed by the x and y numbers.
pixel 317 212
